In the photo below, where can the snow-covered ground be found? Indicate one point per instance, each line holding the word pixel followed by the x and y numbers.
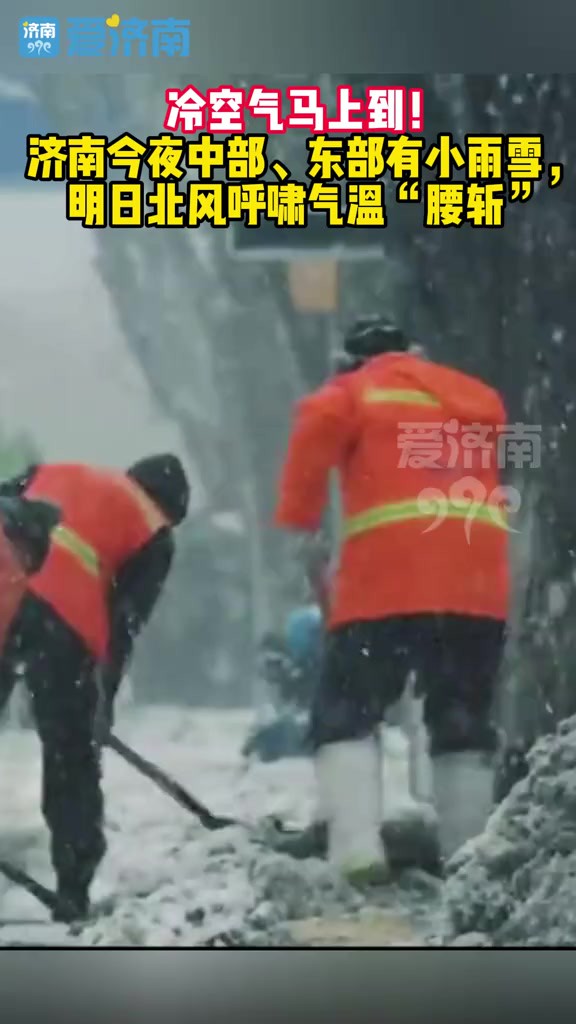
pixel 170 882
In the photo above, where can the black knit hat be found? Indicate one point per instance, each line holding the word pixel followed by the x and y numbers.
pixel 164 479
pixel 374 336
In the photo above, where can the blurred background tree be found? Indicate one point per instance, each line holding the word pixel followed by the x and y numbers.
pixel 17 451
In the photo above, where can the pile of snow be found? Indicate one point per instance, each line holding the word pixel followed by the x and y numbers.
pixel 165 881
pixel 514 885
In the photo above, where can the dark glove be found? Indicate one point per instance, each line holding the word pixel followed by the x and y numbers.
pixel 312 550
pixel 315 553
pixel 28 526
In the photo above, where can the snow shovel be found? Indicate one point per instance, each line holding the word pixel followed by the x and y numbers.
pixel 168 785
pixel 263 833
pixel 47 897
pixel 104 737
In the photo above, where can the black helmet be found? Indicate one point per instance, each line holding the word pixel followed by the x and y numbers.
pixel 373 336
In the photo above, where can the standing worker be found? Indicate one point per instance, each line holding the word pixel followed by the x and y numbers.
pixel 108 561
pixel 420 588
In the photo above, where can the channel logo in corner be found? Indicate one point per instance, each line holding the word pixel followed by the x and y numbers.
pixel 105 37
pixel 39 37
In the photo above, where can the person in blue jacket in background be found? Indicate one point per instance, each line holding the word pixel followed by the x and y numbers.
pixel 289 668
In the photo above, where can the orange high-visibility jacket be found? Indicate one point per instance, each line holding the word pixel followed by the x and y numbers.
pixel 404 551
pixel 106 518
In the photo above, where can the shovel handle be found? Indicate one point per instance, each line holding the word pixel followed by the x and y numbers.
pixel 47 897
pixel 168 785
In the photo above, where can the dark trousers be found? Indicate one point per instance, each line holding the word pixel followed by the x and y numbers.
pixel 455 660
pixel 59 674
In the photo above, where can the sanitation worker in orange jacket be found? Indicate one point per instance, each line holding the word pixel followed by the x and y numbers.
pixel 109 558
pixel 422 581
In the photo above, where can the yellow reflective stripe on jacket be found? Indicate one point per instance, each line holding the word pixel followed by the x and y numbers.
pixel 402 396
pixel 401 511
pixel 66 538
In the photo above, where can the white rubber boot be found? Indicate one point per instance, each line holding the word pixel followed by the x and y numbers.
pixel 349 778
pixel 408 715
pixel 410 822
pixel 463 785
pixel 321 811
pixel 311 841
pixel 421 777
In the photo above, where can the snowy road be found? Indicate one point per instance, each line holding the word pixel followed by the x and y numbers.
pixel 172 883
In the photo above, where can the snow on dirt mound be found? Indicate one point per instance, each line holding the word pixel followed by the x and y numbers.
pixel 221 892
pixel 166 881
pixel 515 884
